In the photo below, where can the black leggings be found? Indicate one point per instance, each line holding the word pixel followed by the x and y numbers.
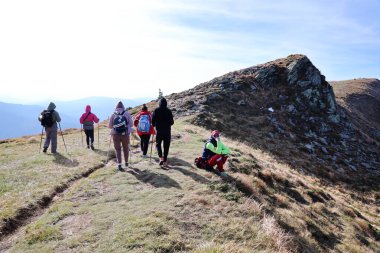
pixel 166 140
pixel 89 135
pixel 144 143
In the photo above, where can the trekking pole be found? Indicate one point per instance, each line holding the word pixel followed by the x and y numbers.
pixel 62 137
pixel 151 148
pixel 81 133
pixel 98 137
pixel 42 132
pixel 109 145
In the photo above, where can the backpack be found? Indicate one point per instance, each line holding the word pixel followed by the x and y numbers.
pixel 144 124
pixel 120 123
pixel 88 125
pixel 47 118
pixel 200 162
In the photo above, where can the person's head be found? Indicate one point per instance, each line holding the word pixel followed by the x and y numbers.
pixel 88 108
pixel 163 102
pixel 144 108
pixel 215 134
pixel 51 106
pixel 120 106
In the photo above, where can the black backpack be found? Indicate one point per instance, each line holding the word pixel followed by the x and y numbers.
pixel 47 118
pixel 120 123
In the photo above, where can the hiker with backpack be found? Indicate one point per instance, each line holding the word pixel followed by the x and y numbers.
pixel 162 120
pixel 215 153
pixel 144 127
pixel 88 119
pixel 121 126
pixel 49 119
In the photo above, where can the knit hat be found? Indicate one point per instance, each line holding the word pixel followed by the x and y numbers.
pixel 144 108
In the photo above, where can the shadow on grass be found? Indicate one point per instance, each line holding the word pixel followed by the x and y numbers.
pixel 174 161
pixel 193 175
pixel 154 179
pixel 63 160
pixel 101 152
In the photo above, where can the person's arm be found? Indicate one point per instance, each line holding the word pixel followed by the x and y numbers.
pixel 96 119
pixel 57 117
pixel 136 120
pixel 225 149
pixel 130 122
pixel 171 118
pixel 212 148
pixel 81 119
pixel 110 123
pixel 154 118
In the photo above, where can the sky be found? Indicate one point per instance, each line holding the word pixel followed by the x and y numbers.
pixel 66 50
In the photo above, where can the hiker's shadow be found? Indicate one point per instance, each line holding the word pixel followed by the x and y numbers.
pixel 154 179
pixel 176 162
pixel 101 152
pixel 63 160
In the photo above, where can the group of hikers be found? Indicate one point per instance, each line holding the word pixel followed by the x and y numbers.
pixel 122 126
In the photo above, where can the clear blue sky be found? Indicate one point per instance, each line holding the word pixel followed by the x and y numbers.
pixel 62 50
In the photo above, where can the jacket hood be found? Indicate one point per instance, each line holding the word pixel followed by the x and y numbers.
pixel 120 106
pixel 163 102
pixel 88 108
pixel 51 106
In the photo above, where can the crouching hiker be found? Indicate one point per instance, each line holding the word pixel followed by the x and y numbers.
pixel 215 153
pixel 122 125
pixel 49 119
pixel 88 119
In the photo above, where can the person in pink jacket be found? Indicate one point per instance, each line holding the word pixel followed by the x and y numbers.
pixel 122 126
pixel 88 119
pixel 144 127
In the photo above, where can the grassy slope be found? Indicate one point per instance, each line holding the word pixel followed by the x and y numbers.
pixel 185 209
pixel 181 209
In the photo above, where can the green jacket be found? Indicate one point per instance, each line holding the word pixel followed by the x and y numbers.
pixel 220 148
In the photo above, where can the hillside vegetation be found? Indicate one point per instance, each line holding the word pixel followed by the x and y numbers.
pixel 73 203
pixel 302 177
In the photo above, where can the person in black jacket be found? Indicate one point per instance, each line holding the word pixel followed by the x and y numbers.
pixel 162 120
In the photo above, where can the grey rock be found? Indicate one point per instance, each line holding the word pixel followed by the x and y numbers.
pixel 323 141
pixel 304 83
pixel 334 118
pixel 309 147
pixel 291 108
pixel 324 150
pixel 242 103
pixel 307 93
pixel 352 167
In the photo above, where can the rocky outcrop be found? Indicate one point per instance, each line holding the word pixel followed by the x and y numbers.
pixel 285 107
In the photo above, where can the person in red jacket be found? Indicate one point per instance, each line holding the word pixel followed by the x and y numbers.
pixel 144 127
pixel 88 119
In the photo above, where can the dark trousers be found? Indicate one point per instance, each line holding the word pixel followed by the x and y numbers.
pixel 166 139
pixel 144 142
pixel 89 136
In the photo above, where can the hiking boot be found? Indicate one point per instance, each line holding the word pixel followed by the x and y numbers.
pixel 45 149
pixel 126 164
pixel 88 146
pixel 145 156
pixel 223 174
pixel 161 162
pixel 92 147
pixel 119 168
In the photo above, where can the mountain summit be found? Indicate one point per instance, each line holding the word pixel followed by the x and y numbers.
pixel 287 108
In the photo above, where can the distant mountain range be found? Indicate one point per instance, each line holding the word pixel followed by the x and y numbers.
pixel 19 120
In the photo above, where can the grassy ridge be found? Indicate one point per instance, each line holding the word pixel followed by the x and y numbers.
pixel 148 209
